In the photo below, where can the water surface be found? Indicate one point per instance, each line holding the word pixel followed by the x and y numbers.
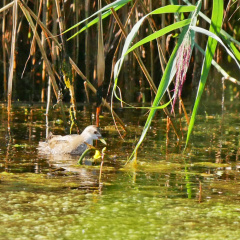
pixel 168 195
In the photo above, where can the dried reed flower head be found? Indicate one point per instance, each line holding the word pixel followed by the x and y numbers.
pixel 183 58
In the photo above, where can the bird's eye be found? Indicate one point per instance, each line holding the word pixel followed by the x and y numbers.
pixel 95 132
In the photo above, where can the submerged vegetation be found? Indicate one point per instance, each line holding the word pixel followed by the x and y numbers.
pixel 124 50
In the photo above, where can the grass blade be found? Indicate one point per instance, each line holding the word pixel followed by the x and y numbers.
pixel 160 33
pixel 212 35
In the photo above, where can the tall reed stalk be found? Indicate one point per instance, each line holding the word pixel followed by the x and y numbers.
pixel 43 39
pixel 4 54
pixel 12 59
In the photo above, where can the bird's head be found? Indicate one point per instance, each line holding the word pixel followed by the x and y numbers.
pixel 92 133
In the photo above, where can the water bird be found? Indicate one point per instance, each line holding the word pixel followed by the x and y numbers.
pixel 71 144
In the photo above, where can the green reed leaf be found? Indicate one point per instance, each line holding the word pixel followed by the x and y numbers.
pixel 160 33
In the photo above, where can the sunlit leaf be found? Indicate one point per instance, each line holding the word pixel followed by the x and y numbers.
pixel 212 35
pixel 160 33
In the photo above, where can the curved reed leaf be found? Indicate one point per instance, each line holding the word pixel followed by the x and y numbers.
pixel 218 67
pixel 212 35
pixel 157 107
pixel 215 27
pixel 95 20
pixel 107 7
pixel 173 9
pixel 228 39
pixel 160 33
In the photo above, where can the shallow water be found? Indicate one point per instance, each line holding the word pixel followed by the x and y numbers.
pixel 168 195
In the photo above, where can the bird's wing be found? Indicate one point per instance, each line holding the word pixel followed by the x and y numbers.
pixel 64 144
